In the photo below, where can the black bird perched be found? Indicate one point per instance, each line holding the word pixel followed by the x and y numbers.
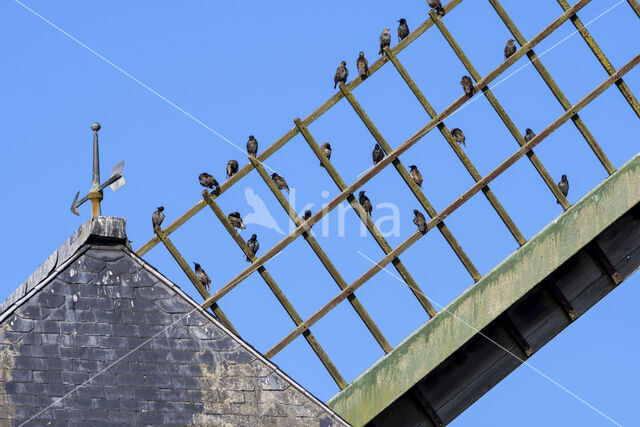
pixel 437 6
pixel 236 220
pixel 509 49
pixel 326 149
pixel 307 215
pixel 563 185
pixel 232 168
pixel 365 202
pixel 252 146
pixel 416 175
pixel 206 281
pixel 253 245
pixel 157 217
pixel 341 74
pixel 280 182
pixel 385 40
pixel 419 220
pixel 377 154
pixel 363 65
pixel 403 29
pixel 467 85
pixel 529 135
pixel 208 181
pixel 458 135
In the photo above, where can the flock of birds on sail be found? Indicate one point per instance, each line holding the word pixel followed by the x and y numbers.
pixel 208 181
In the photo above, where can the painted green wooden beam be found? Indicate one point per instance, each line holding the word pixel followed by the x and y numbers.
pixel 479 305
pixel 416 137
pixel 635 6
pixel 378 266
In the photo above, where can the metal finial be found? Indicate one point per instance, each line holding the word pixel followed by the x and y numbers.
pixel 95 193
pixel 96 157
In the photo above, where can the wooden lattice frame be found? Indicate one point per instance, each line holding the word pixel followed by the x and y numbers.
pixel 392 156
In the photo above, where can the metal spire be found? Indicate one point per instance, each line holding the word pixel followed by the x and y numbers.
pixel 116 180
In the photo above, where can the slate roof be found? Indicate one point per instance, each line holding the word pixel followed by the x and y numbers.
pixel 97 336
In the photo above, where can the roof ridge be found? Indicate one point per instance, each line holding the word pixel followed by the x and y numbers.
pixel 102 228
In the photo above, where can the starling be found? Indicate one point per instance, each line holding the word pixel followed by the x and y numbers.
pixel 157 217
pixel 509 49
pixel 363 66
pixel 252 146
pixel 529 135
pixel 419 220
pixel 563 185
pixel 307 215
pixel 385 40
pixel 437 6
pixel 365 202
pixel 458 135
pixel 236 220
pixel 416 175
pixel 208 181
pixel 326 149
pixel 202 276
pixel 467 85
pixel 280 182
pixel 341 74
pixel 253 245
pixel 377 154
pixel 232 168
pixel 403 29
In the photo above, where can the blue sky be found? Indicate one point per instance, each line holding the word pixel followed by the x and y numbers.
pixel 251 67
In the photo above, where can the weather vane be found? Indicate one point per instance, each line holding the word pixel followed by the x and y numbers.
pixel 116 180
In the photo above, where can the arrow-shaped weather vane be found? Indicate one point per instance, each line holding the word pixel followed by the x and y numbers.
pixel 116 180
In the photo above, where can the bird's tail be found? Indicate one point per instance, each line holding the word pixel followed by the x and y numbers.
pixel 440 11
pixel 423 228
pixel 335 85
